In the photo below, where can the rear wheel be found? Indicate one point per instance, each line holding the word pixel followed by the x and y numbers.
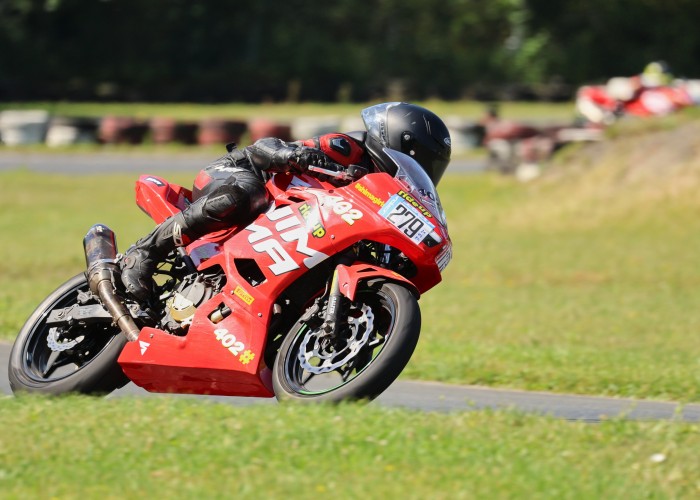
pixel 362 360
pixel 61 359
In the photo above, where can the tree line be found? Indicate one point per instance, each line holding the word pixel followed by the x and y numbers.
pixel 340 50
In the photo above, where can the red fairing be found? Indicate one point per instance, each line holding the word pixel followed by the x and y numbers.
pixel 596 104
pixel 310 222
pixel 160 199
pixel 350 276
pixel 340 148
pixel 201 180
pixel 223 359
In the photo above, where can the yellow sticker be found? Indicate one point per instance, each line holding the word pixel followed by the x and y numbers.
pixel 403 194
pixel 243 295
pixel 374 199
pixel 247 357
pixel 317 229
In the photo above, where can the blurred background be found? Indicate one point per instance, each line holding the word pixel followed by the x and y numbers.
pixel 515 80
pixel 340 51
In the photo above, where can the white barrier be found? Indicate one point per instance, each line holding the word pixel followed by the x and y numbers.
pixel 23 127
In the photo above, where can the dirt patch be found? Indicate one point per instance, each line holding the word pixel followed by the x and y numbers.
pixel 658 159
pixel 629 176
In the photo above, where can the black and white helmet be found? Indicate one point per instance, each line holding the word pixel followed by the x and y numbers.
pixel 410 129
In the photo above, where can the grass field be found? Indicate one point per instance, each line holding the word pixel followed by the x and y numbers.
pixel 586 281
pixel 551 287
pixel 85 448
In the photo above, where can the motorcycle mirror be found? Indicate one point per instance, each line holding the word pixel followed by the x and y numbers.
pixel 356 171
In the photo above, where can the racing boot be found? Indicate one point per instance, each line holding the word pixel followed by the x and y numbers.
pixel 142 258
pixel 214 212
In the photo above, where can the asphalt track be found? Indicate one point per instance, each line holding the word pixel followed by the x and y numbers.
pixel 437 397
pixel 424 396
pixel 144 163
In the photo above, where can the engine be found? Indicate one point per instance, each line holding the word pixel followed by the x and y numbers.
pixel 183 300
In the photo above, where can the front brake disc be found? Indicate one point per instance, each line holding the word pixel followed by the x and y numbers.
pixel 321 358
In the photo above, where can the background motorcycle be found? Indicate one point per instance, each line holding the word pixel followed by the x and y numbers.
pixel 621 96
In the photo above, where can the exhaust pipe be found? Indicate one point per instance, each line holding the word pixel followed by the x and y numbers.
pixel 101 258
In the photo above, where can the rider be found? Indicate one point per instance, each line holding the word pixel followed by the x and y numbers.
pixel 231 190
pixel 656 74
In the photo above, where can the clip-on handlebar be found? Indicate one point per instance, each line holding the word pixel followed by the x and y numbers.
pixel 341 173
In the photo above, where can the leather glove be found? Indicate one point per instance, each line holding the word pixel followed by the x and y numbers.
pixel 302 157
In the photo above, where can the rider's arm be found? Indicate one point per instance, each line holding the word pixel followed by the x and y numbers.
pixel 272 155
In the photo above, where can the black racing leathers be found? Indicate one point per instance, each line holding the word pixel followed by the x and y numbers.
pixel 229 191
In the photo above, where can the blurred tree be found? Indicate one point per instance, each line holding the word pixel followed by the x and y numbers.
pixel 597 39
pixel 217 50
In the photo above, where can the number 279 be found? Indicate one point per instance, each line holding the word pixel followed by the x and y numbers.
pixel 405 220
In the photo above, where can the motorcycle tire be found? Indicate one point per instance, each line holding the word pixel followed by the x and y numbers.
pixel 88 367
pixel 359 363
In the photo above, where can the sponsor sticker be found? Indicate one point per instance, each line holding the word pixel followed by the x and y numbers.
pixel 246 357
pixel 288 227
pixel 144 346
pixel 444 257
pixel 366 192
pixel 312 221
pixel 403 194
pixel 243 295
pixel 155 181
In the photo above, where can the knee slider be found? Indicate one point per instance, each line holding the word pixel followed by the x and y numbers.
pixel 225 201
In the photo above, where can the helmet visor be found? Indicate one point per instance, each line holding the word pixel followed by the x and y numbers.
pixel 375 121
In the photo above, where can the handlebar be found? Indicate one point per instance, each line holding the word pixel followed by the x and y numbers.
pixel 341 173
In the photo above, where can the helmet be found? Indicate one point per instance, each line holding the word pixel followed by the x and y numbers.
pixel 410 129
pixel 656 73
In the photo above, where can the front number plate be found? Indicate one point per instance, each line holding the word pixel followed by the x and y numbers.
pixel 405 217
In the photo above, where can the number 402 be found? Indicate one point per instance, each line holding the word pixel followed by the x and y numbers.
pixel 228 340
pixel 346 212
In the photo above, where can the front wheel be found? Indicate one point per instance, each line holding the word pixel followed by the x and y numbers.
pixel 362 360
pixel 81 357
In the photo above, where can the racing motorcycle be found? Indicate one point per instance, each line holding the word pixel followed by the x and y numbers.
pixel 604 104
pixel 315 300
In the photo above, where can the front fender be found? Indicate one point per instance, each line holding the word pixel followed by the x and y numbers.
pixel 350 276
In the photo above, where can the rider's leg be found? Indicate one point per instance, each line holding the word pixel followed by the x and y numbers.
pixel 228 204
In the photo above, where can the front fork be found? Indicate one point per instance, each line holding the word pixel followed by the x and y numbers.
pixel 335 308
pixel 348 276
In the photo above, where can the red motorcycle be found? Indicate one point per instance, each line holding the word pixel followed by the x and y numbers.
pixel 317 299
pixel 603 104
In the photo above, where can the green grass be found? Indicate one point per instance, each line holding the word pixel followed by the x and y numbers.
pixel 43 219
pixel 85 448
pixel 551 287
pixel 631 126
pixel 579 298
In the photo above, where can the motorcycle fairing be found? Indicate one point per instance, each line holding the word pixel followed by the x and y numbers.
pixel 308 222
pixel 349 277
pixel 213 358
pixel 159 198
